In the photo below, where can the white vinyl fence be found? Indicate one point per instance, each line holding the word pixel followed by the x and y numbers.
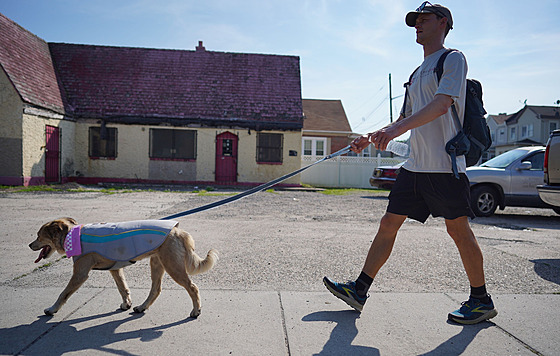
pixel 343 171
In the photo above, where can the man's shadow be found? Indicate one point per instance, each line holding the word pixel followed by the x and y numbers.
pixel 96 337
pixel 344 332
pixel 457 344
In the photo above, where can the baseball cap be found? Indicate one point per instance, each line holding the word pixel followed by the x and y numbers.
pixel 428 8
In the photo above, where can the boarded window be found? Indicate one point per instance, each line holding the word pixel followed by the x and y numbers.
pixel 102 142
pixel 172 144
pixel 269 147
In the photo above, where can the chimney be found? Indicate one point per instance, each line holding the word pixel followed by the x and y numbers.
pixel 200 47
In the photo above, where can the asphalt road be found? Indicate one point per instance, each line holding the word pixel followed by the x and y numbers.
pixel 289 240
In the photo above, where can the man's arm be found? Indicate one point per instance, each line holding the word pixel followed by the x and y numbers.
pixel 437 107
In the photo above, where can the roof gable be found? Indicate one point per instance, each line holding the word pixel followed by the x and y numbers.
pixel 124 83
pixel 26 61
pixel 325 115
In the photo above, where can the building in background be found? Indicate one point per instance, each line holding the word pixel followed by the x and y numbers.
pixel 94 114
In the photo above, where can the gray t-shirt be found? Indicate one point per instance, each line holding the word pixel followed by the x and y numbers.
pixel 427 142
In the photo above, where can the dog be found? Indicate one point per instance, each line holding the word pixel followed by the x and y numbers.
pixel 170 250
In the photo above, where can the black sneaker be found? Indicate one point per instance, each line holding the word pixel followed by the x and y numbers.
pixel 473 311
pixel 346 292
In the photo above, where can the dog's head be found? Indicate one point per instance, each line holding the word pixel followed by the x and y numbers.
pixel 50 237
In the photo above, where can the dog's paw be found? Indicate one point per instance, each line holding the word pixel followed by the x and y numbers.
pixel 50 311
pixel 139 310
pixel 195 313
pixel 126 306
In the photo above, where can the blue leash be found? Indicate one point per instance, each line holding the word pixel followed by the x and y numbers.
pixel 256 189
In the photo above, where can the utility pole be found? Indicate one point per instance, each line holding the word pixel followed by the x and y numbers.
pixel 390 100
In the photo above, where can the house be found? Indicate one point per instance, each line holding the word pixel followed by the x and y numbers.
pixel 530 126
pixel 93 114
pixel 325 127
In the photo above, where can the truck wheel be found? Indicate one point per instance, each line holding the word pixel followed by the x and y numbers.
pixel 484 200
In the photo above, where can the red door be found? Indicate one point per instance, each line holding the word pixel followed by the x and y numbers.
pixel 226 158
pixel 52 155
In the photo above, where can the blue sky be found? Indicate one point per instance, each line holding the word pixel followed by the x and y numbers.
pixel 347 48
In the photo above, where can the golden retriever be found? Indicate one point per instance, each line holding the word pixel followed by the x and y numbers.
pixel 175 256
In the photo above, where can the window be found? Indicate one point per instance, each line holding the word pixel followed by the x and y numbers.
pixel 502 135
pixel 314 146
pixel 269 148
pixel 553 126
pixel 527 131
pixel 172 144
pixel 102 142
pixel 512 135
pixel 537 161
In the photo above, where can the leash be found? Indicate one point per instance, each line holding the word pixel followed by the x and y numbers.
pixel 256 189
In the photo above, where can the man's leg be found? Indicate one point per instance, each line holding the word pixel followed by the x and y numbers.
pixel 479 307
pixel 383 243
pixel 354 293
pixel 470 252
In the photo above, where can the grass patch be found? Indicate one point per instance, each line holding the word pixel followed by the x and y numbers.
pixel 41 267
pixel 346 191
pixel 206 193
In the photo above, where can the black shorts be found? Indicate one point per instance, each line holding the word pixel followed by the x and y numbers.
pixel 417 195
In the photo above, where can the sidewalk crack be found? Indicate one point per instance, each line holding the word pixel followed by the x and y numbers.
pixel 284 327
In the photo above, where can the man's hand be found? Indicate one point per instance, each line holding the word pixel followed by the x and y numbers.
pixel 360 143
pixel 381 138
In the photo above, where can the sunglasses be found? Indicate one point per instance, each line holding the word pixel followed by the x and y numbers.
pixel 433 10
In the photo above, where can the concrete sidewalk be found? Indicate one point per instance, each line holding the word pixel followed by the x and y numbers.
pixel 272 323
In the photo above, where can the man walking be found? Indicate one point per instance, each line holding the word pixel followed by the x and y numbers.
pixel 425 184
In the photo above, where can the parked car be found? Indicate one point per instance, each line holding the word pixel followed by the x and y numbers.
pixel 550 191
pixel 384 177
pixel 509 179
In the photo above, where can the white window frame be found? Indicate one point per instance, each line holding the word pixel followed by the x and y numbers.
pixel 527 131
pixel 314 141
pixel 502 135
pixel 512 134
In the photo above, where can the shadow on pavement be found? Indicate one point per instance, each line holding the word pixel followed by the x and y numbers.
pixel 345 331
pixel 548 269
pixel 520 221
pixel 61 337
pixel 457 344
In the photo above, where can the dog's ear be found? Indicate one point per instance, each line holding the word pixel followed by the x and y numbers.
pixel 70 220
pixel 57 227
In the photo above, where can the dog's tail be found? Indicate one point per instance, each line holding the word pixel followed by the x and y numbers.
pixel 198 265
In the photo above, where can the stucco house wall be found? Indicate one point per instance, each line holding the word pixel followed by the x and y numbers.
pixel 133 163
pixel 11 109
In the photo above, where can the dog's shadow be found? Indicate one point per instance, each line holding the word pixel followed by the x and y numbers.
pixel 344 332
pixel 68 338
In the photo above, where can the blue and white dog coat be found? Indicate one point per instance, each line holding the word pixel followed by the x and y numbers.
pixel 120 242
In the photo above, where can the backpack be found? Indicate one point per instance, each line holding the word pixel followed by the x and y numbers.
pixel 474 138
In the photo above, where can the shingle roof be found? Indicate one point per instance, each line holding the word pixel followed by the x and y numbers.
pixel 209 88
pixel 325 115
pixel 152 86
pixel 500 118
pixel 26 60
pixel 542 112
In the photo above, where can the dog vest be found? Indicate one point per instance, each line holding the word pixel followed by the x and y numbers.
pixel 120 242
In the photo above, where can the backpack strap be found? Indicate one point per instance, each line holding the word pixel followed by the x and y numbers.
pixel 406 85
pixel 438 70
pixel 439 66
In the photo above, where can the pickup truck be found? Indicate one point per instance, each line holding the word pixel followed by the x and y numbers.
pixel 549 192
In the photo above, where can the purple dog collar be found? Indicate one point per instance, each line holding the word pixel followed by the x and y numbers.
pixel 72 244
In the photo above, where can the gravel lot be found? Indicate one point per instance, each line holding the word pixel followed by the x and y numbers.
pixel 288 240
